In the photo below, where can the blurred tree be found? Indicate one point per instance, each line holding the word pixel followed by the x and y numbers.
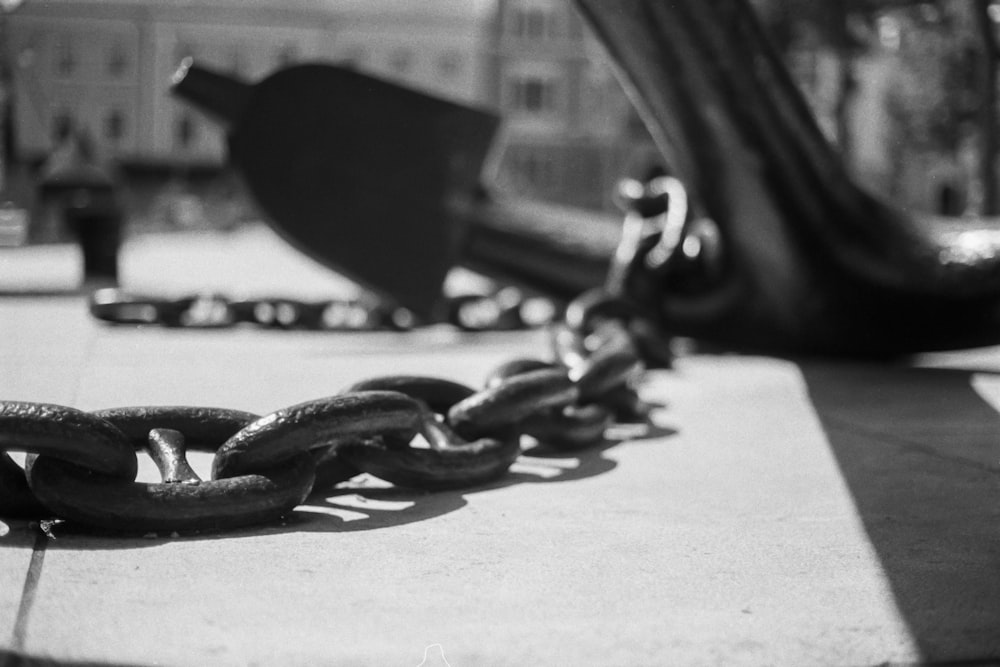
pixel 986 27
pixel 847 28
pixel 844 27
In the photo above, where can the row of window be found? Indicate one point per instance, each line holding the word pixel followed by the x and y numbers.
pixel 400 61
pixel 116 59
pixel 529 94
pixel 531 23
pixel 114 127
pixel 532 94
pixel 403 61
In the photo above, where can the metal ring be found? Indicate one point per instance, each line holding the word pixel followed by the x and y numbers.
pixel 573 427
pixel 331 469
pixel 450 462
pixel 648 199
pixel 203 311
pixel 515 367
pixel 475 312
pixel 437 393
pixel 278 313
pixel 121 505
pixel 568 345
pixel 572 346
pixel 114 305
pixel 68 434
pixel 202 427
pixel 125 505
pixel 313 424
pixel 596 304
pixel 626 405
pixel 334 466
pixel 606 369
pixel 58 431
pixel 462 464
pixel 503 406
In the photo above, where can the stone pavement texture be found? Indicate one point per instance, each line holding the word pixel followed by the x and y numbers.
pixel 775 512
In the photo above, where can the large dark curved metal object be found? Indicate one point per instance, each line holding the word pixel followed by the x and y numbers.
pixel 350 169
pixel 813 262
pixel 382 183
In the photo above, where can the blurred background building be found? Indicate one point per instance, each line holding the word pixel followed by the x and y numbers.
pixel 106 65
pixel 103 68
pixel 899 86
pixel 570 132
pixel 906 89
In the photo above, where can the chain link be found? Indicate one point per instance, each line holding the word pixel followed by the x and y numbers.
pixel 413 431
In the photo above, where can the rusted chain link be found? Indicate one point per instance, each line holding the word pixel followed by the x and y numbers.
pixel 421 432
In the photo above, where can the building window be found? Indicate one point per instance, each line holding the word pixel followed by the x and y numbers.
pixel 531 23
pixel 117 62
pixel 114 126
pixel 65 57
pixel 533 94
pixel 401 61
pixel 185 131
pixel 62 126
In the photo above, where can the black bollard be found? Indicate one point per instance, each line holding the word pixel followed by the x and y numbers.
pixel 84 196
pixel 96 226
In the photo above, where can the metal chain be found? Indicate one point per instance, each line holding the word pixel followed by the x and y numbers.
pixel 507 309
pixel 81 466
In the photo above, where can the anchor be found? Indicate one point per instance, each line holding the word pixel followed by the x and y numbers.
pixel 383 184
pixel 788 255
pixel 813 262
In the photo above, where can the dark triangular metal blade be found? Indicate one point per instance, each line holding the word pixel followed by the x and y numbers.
pixel 364 175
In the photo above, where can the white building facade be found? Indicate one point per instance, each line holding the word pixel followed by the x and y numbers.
pixel 106 67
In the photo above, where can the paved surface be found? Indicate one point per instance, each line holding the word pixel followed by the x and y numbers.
pixel 774 513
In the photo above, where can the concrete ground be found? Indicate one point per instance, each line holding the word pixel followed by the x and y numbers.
pixel 774 513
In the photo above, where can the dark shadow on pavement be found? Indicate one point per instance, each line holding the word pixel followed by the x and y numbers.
pixel 352 508
pixel 919 450
pixel 362 506
pixel 18 659
pixel 53 292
